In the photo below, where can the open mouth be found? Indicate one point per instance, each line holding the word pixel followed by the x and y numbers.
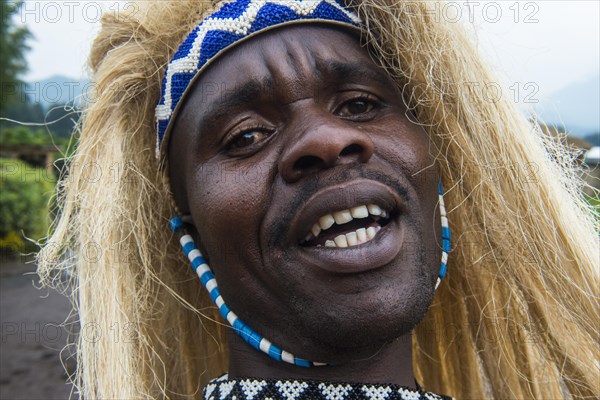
pixel 347 228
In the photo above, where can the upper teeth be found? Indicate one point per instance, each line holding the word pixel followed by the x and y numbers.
pixel 357 237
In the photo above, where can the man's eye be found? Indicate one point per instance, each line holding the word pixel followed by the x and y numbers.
pixel 249 138
pixel 356 107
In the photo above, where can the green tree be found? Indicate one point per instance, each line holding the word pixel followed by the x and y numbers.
pixel 13 45
pixel 24 200
pixel 24 135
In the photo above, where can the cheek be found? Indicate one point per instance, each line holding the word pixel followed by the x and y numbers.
pixel 227 205
pixel 409 147
pixel 408 150
pixel 406 147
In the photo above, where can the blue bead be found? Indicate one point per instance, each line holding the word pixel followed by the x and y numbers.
pixel 176 224
pixel 189 246
pixel 446 245
pixel 205 277
pixel 445 232
pixel 214 294
pixel 162 126
pixel 302 363
pixel 253 338
pixel 198 261
pixel 239 325
pixel 224 310
pixel 245 335
pixel 256 338
pixel 442 271
pixel 243 329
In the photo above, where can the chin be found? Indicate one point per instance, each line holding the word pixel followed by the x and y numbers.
pixel 363 322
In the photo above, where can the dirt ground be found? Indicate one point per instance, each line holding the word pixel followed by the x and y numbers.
pixel 31 337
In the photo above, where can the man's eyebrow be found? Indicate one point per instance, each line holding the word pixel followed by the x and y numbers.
pixel 232 97
pixel 353 72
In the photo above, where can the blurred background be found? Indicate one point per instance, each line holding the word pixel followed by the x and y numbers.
pixel 546 55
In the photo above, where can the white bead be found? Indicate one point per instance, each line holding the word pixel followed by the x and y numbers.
pixel 185 239
pixel 210 285
pixel 192 255
pixel 231 318
pixel 287 357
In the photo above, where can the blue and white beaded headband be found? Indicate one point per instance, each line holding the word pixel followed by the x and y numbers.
pixel 250 336
pixel 231 23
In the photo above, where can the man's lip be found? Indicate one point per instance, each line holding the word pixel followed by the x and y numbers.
pixel 374 254
pixel 340 197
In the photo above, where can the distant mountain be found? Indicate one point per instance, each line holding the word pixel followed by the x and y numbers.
pixel 593 139
pixel 576 107
pixel 58 90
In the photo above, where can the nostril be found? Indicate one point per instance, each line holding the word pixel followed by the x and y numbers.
pixel 351 149
pixel 307 162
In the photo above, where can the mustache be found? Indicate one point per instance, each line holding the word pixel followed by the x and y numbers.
pixel 310 187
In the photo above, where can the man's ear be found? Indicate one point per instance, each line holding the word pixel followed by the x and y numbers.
pixel 190 228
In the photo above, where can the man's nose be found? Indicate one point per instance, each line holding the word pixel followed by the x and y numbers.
pixel 324 144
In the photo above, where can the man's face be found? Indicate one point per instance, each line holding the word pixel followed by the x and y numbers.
pixel 280 134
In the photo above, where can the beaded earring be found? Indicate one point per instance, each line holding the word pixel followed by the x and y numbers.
pixel 250 336
pixel 210 283
pixel 445 235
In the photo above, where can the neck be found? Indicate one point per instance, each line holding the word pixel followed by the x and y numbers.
pixel 390 364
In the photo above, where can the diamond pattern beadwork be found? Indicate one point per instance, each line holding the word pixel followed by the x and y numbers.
pixel 263 389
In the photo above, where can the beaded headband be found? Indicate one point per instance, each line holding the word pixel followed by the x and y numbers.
pixel 232 23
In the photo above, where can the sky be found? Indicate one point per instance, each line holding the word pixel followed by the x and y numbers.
pixel 549 44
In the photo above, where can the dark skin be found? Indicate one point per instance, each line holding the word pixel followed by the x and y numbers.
pixel 294 124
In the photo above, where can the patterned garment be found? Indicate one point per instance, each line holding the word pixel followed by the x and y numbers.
pixel 267 389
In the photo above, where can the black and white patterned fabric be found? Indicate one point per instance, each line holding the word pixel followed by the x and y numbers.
pixel 224 388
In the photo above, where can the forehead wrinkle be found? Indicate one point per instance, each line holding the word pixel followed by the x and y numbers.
pixel 292 65
pixel 307 70
pixel 348 61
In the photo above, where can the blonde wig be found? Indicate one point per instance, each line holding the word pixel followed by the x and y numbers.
pixel 516 317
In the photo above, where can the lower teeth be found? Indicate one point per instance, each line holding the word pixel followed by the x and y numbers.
pixel 356 238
